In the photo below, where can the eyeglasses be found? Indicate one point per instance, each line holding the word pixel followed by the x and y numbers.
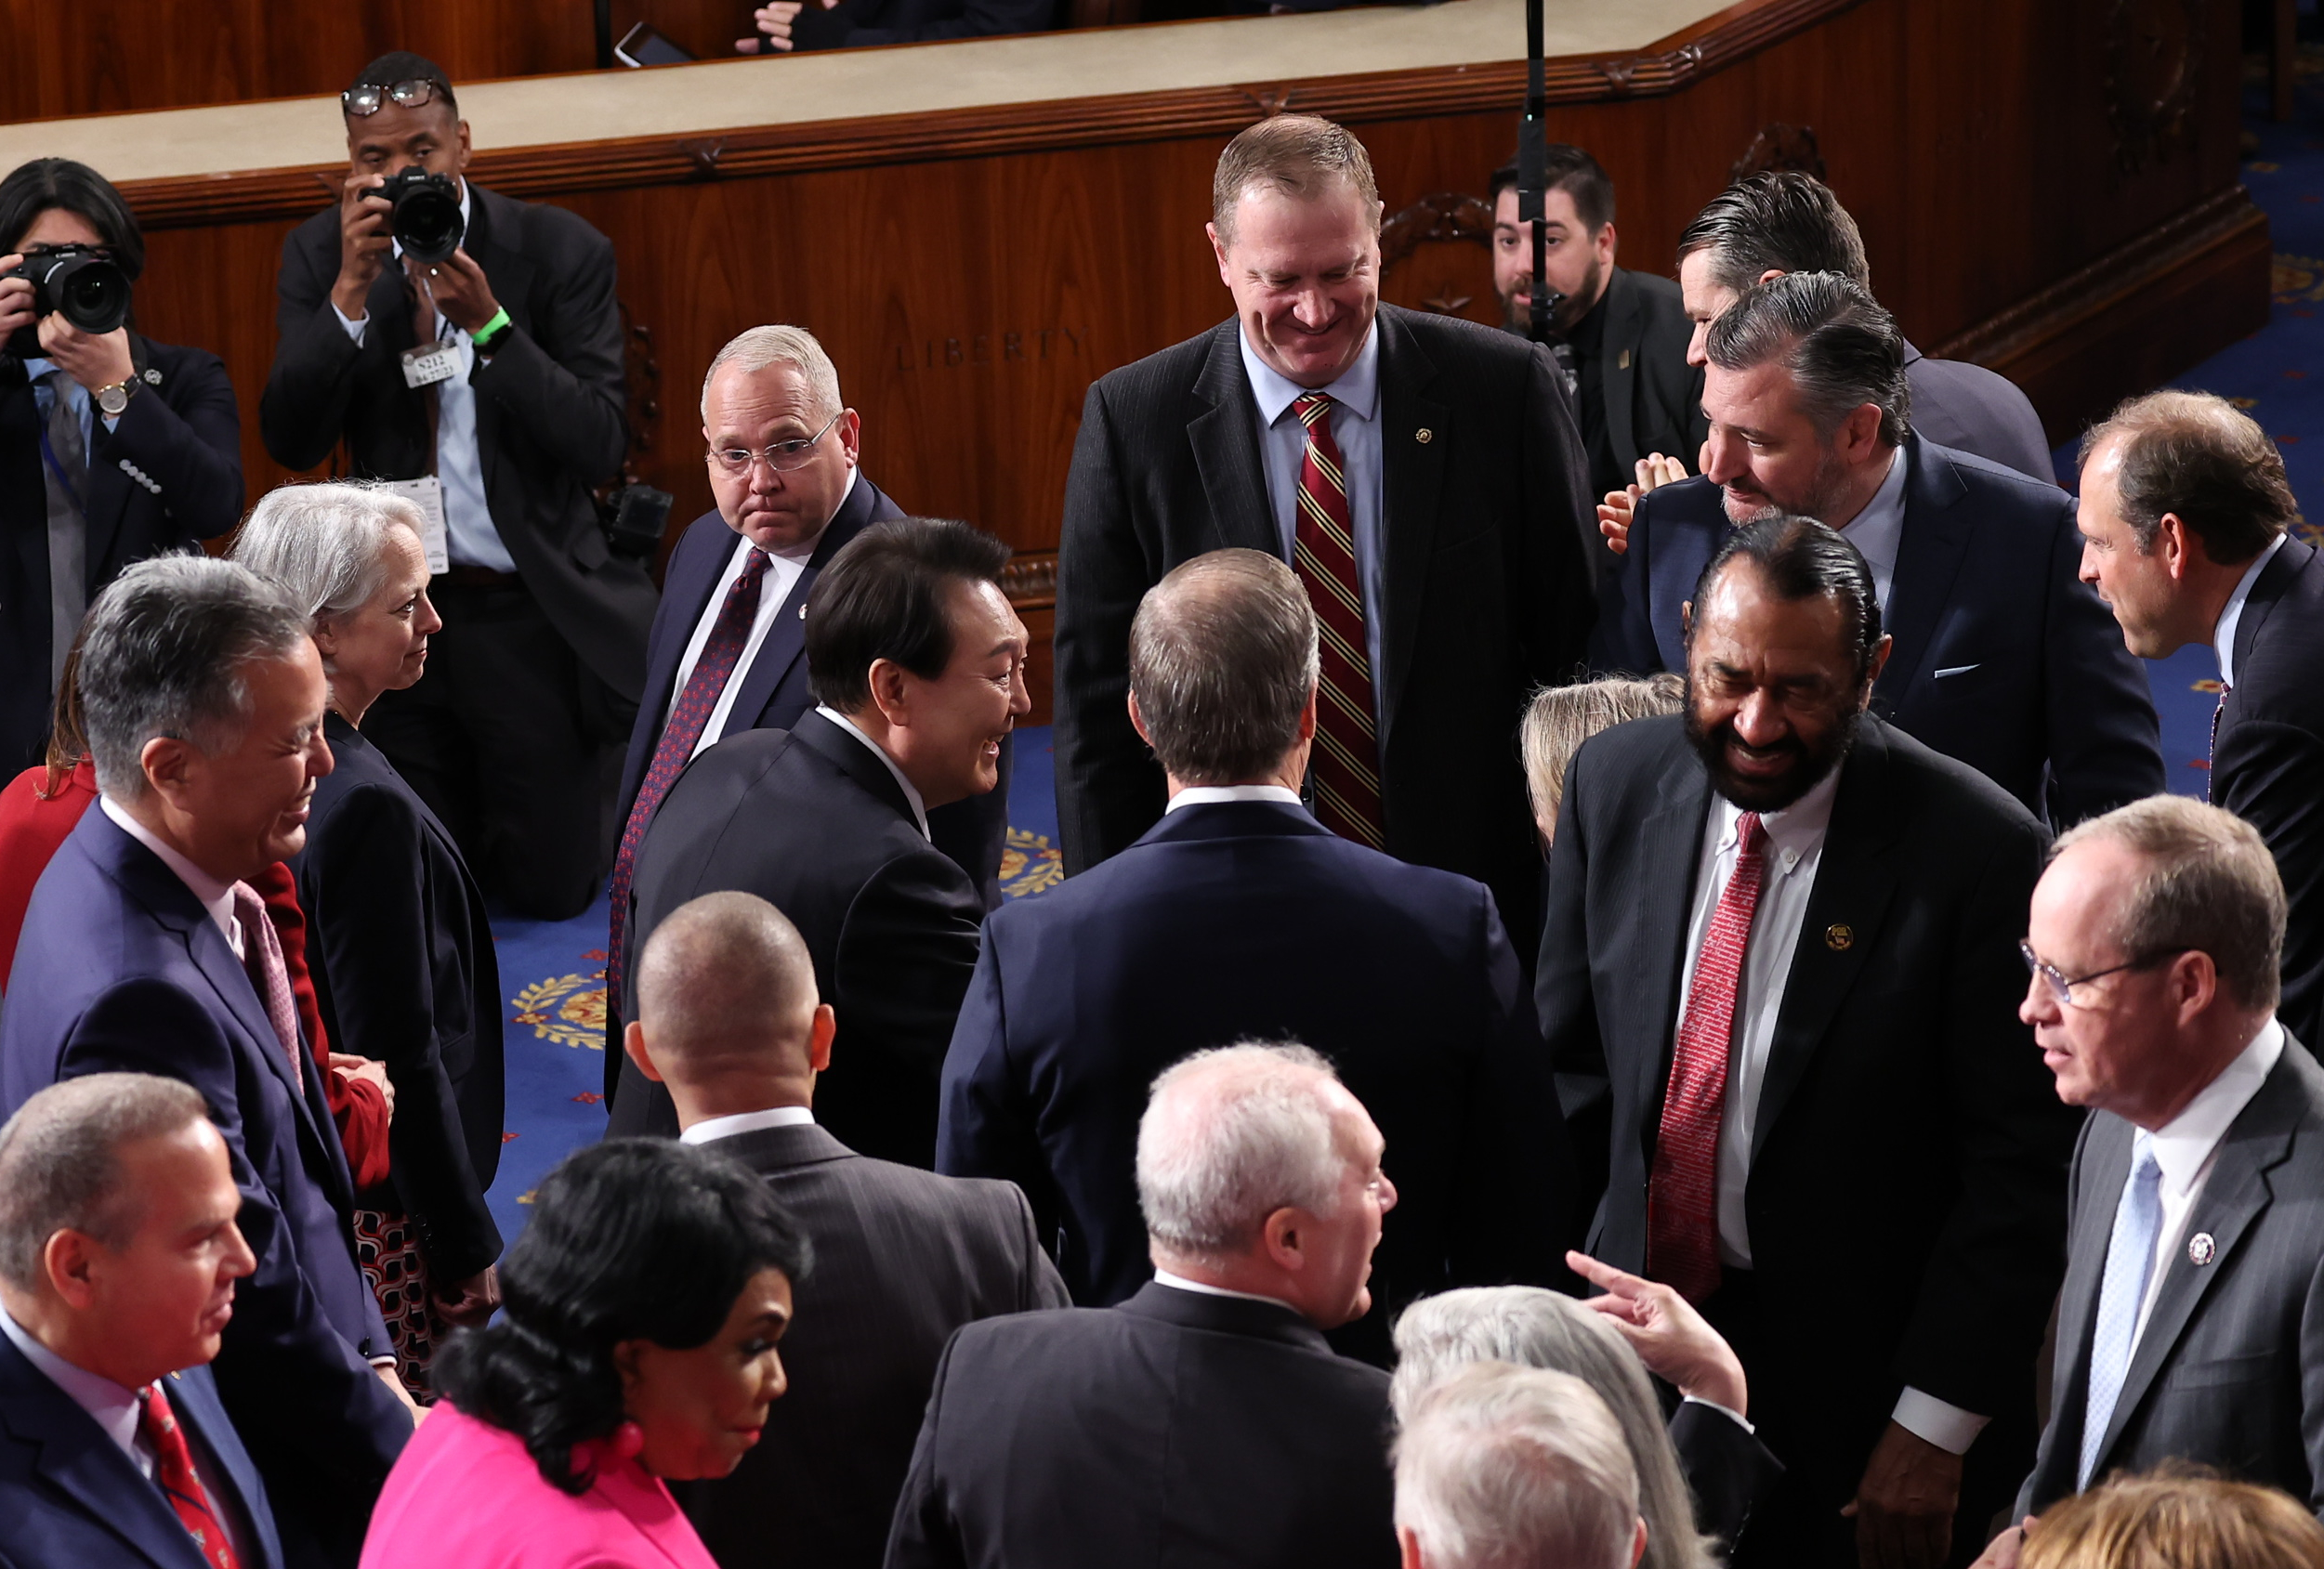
pixel 782 457
pixel 2062 985
pixel 369 97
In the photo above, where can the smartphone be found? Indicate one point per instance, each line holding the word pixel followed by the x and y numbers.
pixel 642 45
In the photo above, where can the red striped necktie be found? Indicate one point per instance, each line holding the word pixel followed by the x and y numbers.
pixel 1683 1190
pixel 173 1472
pixel 1346 762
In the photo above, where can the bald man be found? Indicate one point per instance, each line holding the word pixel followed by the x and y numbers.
pixel 730 1022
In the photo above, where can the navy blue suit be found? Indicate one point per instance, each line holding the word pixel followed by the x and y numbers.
pixel 121 970
pixel 69 1496
pixel 1248 920
pixel 2004 658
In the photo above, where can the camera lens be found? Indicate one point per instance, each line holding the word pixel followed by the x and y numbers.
pixel 92 293
pixel 425 216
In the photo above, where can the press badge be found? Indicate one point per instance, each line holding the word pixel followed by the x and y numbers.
pixel 426 492
pixel 425 367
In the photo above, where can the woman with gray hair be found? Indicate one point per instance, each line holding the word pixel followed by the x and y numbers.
pixel 400 948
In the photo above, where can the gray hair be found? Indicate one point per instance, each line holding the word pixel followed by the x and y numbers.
pixel 325 546
pixel 759 348
pixel 1506 1467
pixel 2210 884
pixel 1532 1328
pixel 1301 155
pixel 60 1168
pixel 1231 1135
pixel 162 653
pixel 1223 658
pixel 1560 718
pixel 1841 349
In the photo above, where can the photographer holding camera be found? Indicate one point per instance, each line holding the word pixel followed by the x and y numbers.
pixel 113 447
pixel 468 345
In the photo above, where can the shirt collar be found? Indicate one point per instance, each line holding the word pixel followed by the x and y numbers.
pixel 216 896
pixel 2223 637
pixel 2184 1143
pixel 711 1127
pixel 1880 525
pixel 113 1408
pixel 1358 390
pixel 1793 833
pixel 919 811
pixel 1201 1288
pixel 1206 795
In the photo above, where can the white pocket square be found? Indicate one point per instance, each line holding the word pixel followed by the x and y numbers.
pixel 1954 670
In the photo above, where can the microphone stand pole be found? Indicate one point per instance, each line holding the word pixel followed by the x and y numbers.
pixel 1533 168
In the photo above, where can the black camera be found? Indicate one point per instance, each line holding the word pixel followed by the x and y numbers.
pixel 635 520
pixel 423 213
pixel 80 281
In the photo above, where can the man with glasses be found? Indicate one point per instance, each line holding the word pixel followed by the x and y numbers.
pixel 1777 988
pixel 488 383
pixel 2192 1323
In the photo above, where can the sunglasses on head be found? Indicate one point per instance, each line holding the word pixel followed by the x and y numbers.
pixel 368 97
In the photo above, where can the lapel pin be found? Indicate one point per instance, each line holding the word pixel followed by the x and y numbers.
pixel 1840 937
pixel 2202 1250
pixel 152 378
pixel 802 609
pixel 1424 436
pixel 1623 363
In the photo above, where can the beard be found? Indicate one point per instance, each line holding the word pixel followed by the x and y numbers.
pixel 1815 501
pixel 1809 766
pixel 1516 305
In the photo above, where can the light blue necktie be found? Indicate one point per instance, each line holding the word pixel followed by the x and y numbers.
pixel 2130 1260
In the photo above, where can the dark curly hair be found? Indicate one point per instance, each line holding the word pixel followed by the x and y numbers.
pixel 630 1239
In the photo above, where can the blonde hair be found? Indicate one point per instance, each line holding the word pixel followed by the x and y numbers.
pixel 1297 155
pixel 1560 718
pixel 2176 1517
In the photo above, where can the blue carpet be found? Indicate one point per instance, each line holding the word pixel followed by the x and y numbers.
pixel 553 973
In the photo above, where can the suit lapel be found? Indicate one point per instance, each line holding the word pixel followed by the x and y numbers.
pixel 854 759
pixel 786 635
pixel 1411 480
pixel 1226 441
pixel 194 1400
pixel 2267 592
pixel 80 1461
pixel 1934 543
pixel 1617 366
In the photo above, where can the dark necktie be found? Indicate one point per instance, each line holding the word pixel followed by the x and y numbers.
pixel 1347 758
pixel 66 472
pixel 173 1472
pixel 728 634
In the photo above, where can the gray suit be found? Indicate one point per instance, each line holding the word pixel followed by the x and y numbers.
pixel 902 1259
pixel 2230 1370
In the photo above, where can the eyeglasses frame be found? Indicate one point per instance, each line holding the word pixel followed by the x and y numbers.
pixel 718 454
pixel 2061 988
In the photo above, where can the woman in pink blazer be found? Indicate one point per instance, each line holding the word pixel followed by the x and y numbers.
pixel 636 1342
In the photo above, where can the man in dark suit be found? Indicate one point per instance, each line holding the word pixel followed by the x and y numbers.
pixel 2003 658
pixel 2186 522
pixel 1621 336
pixel 728 1020
pixel 145 950
pixel 1208 1409
pixel 1776 881
pixel 492 381
pixel 1238 916
pixel 113 447
pixel 2192 1323
pixel 917 666
pixel 770 398
pixel 1424 476
pixel 118 1259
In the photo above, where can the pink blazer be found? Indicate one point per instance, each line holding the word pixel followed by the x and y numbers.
pixel 466 1493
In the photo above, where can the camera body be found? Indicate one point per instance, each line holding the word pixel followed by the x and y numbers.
pixel 82 283
pixel 423 213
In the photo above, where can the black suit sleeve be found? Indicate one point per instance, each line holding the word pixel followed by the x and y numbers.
pixel 923 1535
pixel 815 28
pixel 1568 1005
pixel 561 382
pixel 192 449
pixel 1109 790
pixel 1040 1286
pixel 303 410
pixel 2269 773
pixel 1728 1469
pixel 375 929
pixel 1560 562
pixel 2106 744
pixel 906 951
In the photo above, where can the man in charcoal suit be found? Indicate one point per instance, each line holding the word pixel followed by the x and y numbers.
pixel 1423 476
pixel 1779 982
pixel 917 666
pixel 1238 916
pixel 729 1021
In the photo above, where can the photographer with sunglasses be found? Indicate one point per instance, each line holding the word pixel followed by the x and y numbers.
pixel 113 447
pixel 472 351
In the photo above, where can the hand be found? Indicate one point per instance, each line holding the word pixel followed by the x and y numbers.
pixel 2003 1550
pixel 470 1303
pixel 1671 1338
pixel 462 296
pixel 369 1072
pixel 16 298
pixel 1904 1507
pixel 775 21
pixel 363 243
pixel 1613 517
pixel 387 1377
pixel 94 361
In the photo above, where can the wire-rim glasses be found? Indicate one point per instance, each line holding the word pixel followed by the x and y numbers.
pixel 2062 984
pixel 782 457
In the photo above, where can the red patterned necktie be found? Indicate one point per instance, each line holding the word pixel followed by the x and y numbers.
pixel 269 976
pixel 1346 762
pixel 173 1471
pixel 1683 1192
pixel 728 634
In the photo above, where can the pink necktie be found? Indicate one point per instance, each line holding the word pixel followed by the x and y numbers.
pixel 262 958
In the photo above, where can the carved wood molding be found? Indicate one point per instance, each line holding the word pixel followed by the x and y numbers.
pixel 1447 215
pixel 1031 579
pixel 2154 58
pixel 1733 34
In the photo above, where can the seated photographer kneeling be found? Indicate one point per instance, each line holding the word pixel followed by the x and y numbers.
pixel 113 447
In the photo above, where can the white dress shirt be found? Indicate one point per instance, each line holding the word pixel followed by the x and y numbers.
pixel 711 1127
pixel 783 569
pixel 1206 795
pixel 216 896
pixel 1201 1288
pixel 469 538
pixel 919 810
pixel 2223 637
pixel 1878 530
pixel 1356 428
pixel 2187 1144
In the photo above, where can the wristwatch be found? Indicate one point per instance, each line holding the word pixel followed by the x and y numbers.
pixel 112 400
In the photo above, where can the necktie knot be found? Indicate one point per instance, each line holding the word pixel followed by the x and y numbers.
pixel 1751 835
pixel 1312 408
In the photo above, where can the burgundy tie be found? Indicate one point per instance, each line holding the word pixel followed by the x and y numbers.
pixel 728 634
pixel 262 959
pixel 1683 1191
pixel 1347 758
pixel 173 1470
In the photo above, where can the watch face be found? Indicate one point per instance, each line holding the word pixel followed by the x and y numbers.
pixel 112 400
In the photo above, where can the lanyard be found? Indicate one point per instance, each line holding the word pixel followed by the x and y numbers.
pixel 71 490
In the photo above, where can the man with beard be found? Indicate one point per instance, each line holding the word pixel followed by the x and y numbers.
pixel 2003 657
pixel 1780 988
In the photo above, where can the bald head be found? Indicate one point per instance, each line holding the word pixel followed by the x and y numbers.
pixel 726 984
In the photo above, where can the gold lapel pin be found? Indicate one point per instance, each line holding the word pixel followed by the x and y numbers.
pixel 1424 436
pixel 1623 363
pixel 1840 937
